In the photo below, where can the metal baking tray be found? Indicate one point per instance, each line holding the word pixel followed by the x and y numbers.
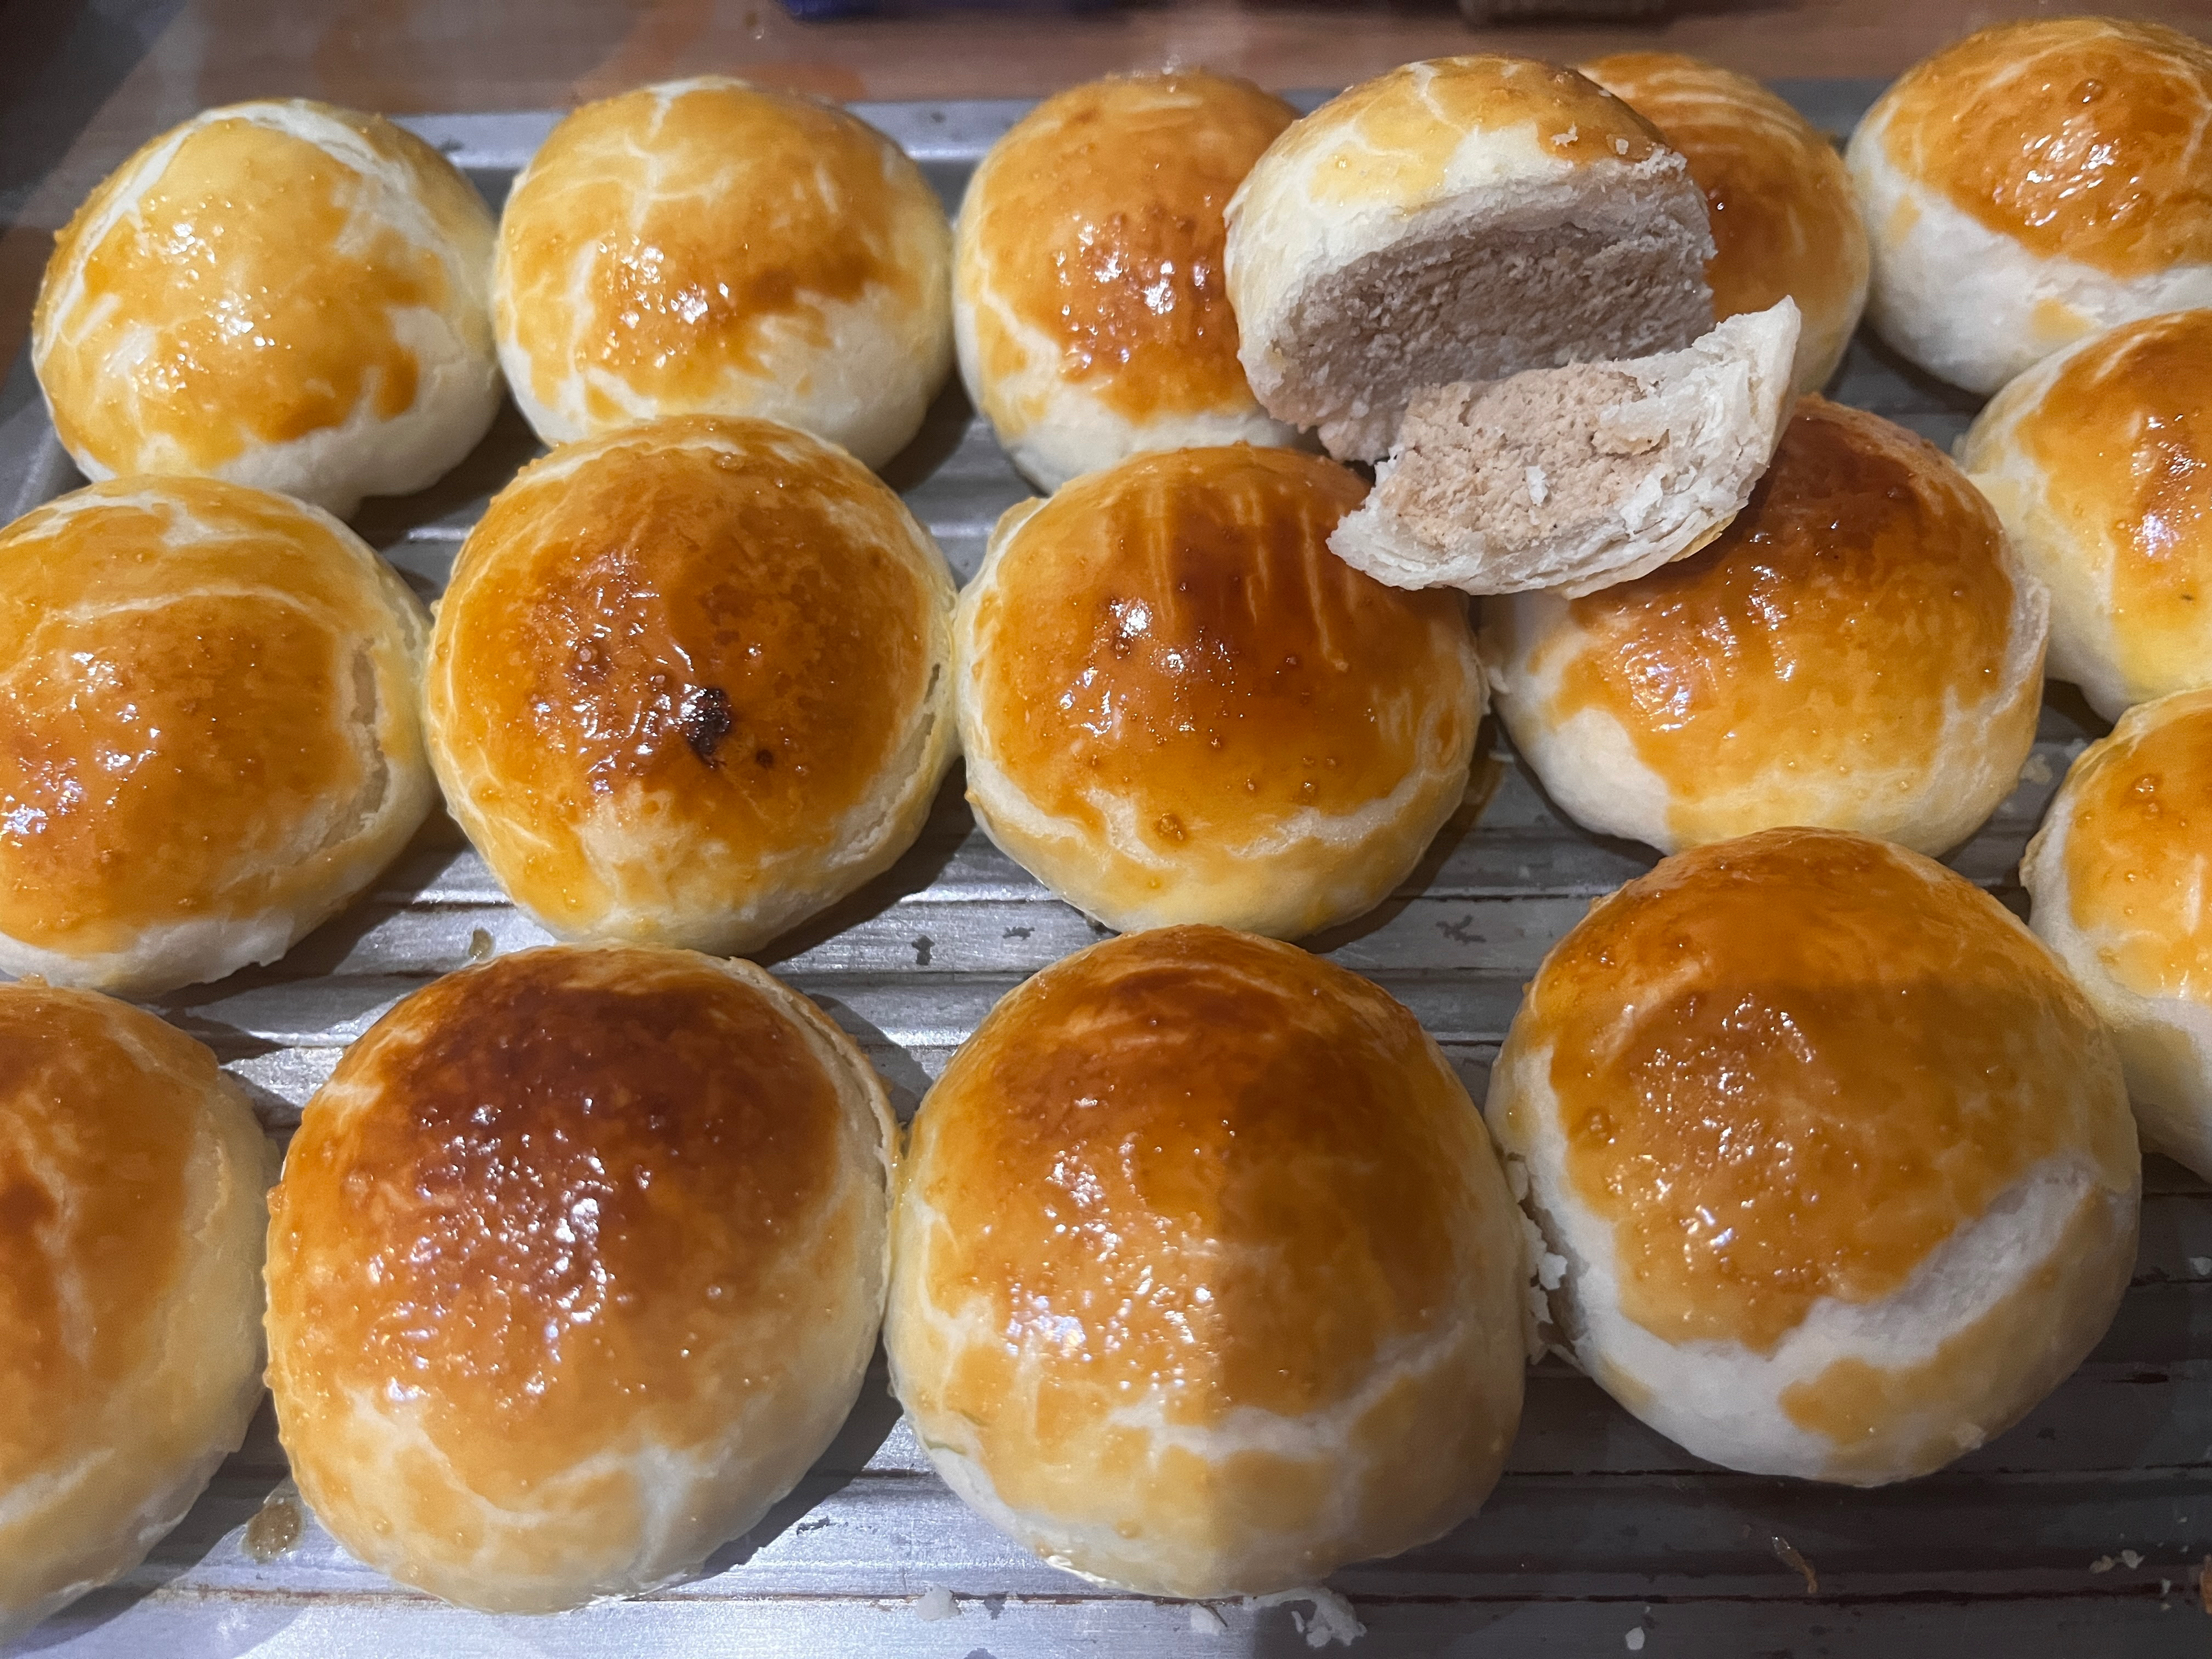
pixel 2081 1532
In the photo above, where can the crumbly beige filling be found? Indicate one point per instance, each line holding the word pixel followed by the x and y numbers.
pixel 1531 458
pixel 1481 305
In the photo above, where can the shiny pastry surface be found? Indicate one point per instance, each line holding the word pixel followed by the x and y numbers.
pixel 690 671
pixel 210 711
pixel 1850 651
pixel 1206 1275
pixel 575 1265
pixel 131 1236
pixel 252 278
pixel 2080 138
pixel 1100 234
pixel 708 247
pixel 1178 705
pixel 1836 1055
pixel 1784 218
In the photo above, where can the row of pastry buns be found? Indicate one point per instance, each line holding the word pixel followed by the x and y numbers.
pixel 699 675
pixel 696 680
pixel 1644 490
pixel 1199 1271
pixel 313 300
pixel 708 247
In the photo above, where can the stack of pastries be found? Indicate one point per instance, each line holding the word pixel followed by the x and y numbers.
pixel 1199 1271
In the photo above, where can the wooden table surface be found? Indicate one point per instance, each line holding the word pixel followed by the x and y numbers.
pixel 83 82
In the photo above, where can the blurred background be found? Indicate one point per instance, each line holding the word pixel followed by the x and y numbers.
pixel 83 83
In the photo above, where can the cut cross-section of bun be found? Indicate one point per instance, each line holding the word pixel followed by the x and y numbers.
pixel 1579 477
pixel 1462 219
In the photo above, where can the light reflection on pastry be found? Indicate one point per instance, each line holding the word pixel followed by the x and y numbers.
pixel 214 740
pixel 2032 183
pixel 281 294
pixel 132 1172
pixel 576 1267
pixel 1177 705
pixel 1784 216
pixel 691 683
pixel 1205 1278
pixel 2117 876
pixel 1831 1159
pixel 2099 459
pixel 706 246
pixel 1090 301
pixel 1859 650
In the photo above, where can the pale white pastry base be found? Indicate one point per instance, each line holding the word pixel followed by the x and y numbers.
pixel 1972 306
pixel 1721 1400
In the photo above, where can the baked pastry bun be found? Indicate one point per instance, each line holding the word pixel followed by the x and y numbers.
pixel 1205 1278
pixel 2032 183
pixel 576 1265
pixel 1088 300
pixel 132 1172
pixel 215 738
pixel 1461 218
pixel 1858 650
pixel 1178 706
pixel 281 294
pixel 2099 459
pixel 710 247
pixel 2115 875
pixel 1580 477
pixel 691 683
pixel 1784 216
pixel 1833 1162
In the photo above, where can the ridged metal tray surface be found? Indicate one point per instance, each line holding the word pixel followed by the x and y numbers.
pixel 2081 1532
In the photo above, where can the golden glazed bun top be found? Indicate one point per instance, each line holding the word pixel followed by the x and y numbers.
pixel 1207 1279
pixel 2100 459
pixel 1090 247
pixel 576 1261
pixel 1192 653
pixel 691 680
pixel 1784 218
pixel 1788 1067
pixel 282 293
pixel 130 1222
pixel 212 733
pixel 2140 810
pixel 1810 664
pixel 1831 1157
pixel 1423 128
pixel 1267 1141
pixel 1166 669
pixel 2115 876
pixel 708 247
pixel 2081 138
